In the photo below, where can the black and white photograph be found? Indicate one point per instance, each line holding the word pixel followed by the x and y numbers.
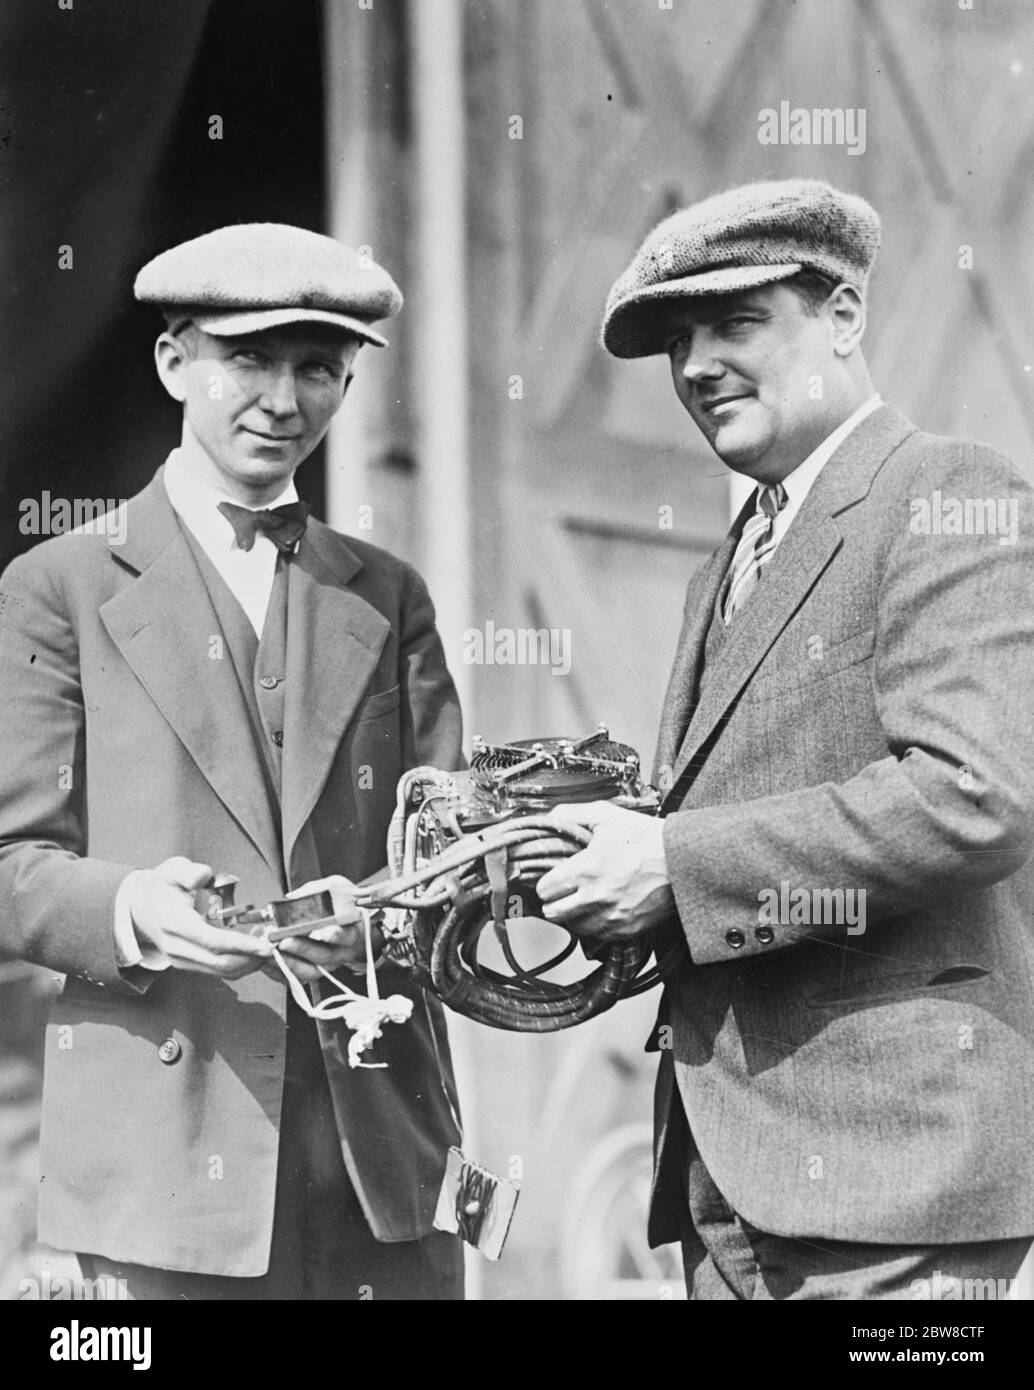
pixel 517 663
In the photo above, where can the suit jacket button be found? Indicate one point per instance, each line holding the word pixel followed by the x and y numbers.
pixel 278 738
pixel 268 682
pixel 734 938
pixel 764 935
pixel 170 1051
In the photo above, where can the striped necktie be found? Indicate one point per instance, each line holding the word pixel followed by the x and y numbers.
pixel 756 547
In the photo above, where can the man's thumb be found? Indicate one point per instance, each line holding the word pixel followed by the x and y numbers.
pixel 184 873
pixel 587 814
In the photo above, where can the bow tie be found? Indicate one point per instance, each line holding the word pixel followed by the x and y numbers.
pixel 283 525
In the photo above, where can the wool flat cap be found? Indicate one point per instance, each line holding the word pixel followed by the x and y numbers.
pixel 747 236
pixel 258 275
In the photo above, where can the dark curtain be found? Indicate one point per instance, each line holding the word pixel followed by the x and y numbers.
pixel 105 148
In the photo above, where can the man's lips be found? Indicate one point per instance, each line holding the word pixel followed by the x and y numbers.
pixel 271 438
pixel 715 403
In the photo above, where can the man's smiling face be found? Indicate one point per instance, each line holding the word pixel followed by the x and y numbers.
pixel 758 373
pixel 259 404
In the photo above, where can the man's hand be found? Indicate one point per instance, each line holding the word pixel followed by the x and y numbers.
pixel 618 886
pixel 328 946
pixel 160 902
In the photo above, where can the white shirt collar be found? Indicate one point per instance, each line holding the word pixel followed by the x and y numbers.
pixel 197 500
pixel 799 483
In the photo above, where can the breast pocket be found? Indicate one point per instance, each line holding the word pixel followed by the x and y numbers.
pixel 808 662
pixel 382 703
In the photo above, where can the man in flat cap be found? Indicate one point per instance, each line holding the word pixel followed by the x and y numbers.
pixel 845 1102
pixel 235 687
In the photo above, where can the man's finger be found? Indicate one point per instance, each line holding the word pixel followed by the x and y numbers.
pixel 181 872
pixel 304 948
pixel 335 884
pixel 188 955
pixel 346 915
pixel 336 934
pixel 217 940
pixel 569 910
pixel 587 814
pixel 302 971
pixel 558 883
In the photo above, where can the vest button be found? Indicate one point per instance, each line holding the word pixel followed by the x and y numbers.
pixel 278 738
pixel 269 682
pixel 170 1051
pixel 735 938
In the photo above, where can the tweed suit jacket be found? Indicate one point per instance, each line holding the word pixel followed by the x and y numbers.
pixel 868 725
pixel 127 741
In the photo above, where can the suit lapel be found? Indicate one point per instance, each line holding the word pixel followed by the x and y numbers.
pixel 166 628
pixel 811 542
pixel 334 642
pixel 701 597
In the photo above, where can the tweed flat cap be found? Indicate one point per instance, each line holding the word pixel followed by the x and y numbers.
pixel 752 235
pixel 258 275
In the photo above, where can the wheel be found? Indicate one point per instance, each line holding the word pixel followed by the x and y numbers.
pixel 604 1251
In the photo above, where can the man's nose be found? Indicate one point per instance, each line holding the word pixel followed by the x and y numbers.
pixel 279 396
pixel 701 363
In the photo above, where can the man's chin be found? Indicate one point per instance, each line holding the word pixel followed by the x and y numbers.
pixel 738 448
pixel 262 465
pixel 252 476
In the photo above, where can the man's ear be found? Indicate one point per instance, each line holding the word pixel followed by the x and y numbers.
pixel 846 309
pixel 170 358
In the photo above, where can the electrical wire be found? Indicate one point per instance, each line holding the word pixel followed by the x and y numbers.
pixel 464 890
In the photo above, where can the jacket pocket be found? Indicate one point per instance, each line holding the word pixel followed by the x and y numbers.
pixel 784 673
pixel 382 703
pixel 876 989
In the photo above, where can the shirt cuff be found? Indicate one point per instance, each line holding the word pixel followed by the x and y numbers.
pixel 130 950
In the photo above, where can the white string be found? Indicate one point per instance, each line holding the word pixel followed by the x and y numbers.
pixel 364 1014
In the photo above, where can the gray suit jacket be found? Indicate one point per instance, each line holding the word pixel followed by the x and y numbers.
pixel 126 742
pixel 868 726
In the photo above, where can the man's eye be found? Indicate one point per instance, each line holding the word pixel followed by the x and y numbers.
pixel 325 369
pixel 738 320
pixel 248 356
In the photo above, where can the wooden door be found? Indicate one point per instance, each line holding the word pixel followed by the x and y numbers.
pixel 591 120
pixel 595 497
pixel 592 497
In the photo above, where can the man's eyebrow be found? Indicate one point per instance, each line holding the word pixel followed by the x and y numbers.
pixel 327 357
pixel 322 352
pixel 710 307
pixel 733 304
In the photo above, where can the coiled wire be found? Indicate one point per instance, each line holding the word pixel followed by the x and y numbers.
pixel 462 891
